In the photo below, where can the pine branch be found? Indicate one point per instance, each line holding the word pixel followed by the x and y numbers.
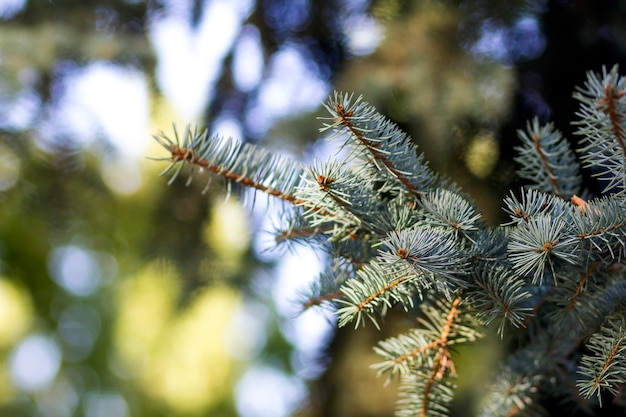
pixel 490 247
pixel 326 288
pixel 533 203
pixel 370 292
pixel 603 127
pixel 410 350
pixel 526 375
pixel 357 252
pixel 412 401
pixel 322 298
pixel 332 192
pixel 498 294
pixel 405 352
pixel 602 227
pixel 547 160
pixel 605 367
pixel 580 287
pixel 570 312
pixel 239 163
pixel 398 236
pixel 379 142
pixel 422 356
pixel 304 233
pixel 415 260
pixel 539 243
pixel 295 227
pixel 512 395
pixel 291 226
pixel 433 257
pixel 443 208
pixel 576 297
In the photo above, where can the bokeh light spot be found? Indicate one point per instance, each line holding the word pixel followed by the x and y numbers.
pixel 293 86
pixel 34 363
pixel 78 328
pixel 287 16
pixel 15 312
pixel 189 369
pixel 59 399
pixel 20 112
pixel 146 303
pixel 105 405
pixel 264 391
pixel 228 230
pixel 90 107
pixel 247 333
pixel 482 154
pixel 363 34
pixel 75 269
pixel 121 174
pixel 248 59
pixel 508 44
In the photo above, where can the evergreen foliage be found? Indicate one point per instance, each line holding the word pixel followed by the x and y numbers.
pixel 552 278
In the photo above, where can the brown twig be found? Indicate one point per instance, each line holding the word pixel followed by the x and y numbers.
pixel 344 119
pixel 187 155
pixel 546 165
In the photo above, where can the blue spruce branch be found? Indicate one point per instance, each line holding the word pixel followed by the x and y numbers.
pixel 401 236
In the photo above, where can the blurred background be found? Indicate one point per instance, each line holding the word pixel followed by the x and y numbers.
pixel 121 296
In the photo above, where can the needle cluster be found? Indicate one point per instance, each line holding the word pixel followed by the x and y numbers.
pixel 551 280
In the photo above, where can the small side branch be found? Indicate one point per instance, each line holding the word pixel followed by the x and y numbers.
pixel 608 104
pixel 442 360
pixel 546 165
pixel 380 292
pixel 187 155
pixel 301 233
pixel 312 302
pixel 581 285
pixel 345 120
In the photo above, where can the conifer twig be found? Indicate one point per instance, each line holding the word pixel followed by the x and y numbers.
pixel 311 302
pixel 609 105
pixel 546 165
pixel 581 285
pixel 237 162
pixel 547 161
pixel 379 143
pixel 344 119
